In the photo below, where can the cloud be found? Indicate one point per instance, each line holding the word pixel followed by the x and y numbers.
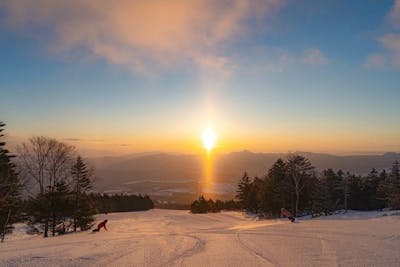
pixel 72 139
pixel 375 61
pixel 390 42
pixel 145 36
pixel 314 56
pixel 394 15
pixel 281 62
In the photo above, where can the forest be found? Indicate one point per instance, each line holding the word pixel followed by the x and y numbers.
pixel 294 184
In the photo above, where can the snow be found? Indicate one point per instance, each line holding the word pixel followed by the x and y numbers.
pixel 178 238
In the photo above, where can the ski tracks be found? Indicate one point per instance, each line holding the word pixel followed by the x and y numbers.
pixel 196 248
pixel 328 257
pixel 262 258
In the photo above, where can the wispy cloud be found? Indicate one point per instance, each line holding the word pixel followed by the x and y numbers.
pixel 390 42
pixel 375 61
pixel 314 56
pixel 394 15
pixel 145 36
pixel 124 145
pixel 72 139
pixel 276 60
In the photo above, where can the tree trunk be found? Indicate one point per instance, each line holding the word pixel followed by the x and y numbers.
pixel 53 230
pixel 5 226
pixel 297 203
pixel 46 227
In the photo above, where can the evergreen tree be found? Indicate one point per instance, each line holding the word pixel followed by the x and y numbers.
pixel 370 188
pixel 383 189
pixel 10 189
pixel 334 182
pixel 355 192
pixel 61 207
pixel 256 194
pixel 321 197
pixel 345 189
pixel 244 191
pixel 38 210
pixel 394 187
pixel 83 209
pixel 199 206
pixel 277 189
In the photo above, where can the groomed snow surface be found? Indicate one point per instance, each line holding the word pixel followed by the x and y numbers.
pixel 178 238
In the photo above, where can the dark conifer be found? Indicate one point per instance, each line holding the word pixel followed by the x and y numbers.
pixel 394 187
pixel 83 209
pixel 10 189
pixel 244 191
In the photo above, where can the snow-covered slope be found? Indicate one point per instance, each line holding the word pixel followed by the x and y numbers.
pixel 177 238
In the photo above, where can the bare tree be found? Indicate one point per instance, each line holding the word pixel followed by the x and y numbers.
pixel 300 171
pixel 33 162
pixel 45 163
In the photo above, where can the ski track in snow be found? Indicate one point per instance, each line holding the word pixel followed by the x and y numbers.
pixel 178 238
pixel 253 251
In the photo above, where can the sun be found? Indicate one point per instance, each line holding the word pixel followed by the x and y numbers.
pixel 209 138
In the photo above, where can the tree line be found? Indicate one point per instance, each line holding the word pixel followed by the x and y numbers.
pixel 293 184
pixel 203 205
pixel 59 189
pixel 121 203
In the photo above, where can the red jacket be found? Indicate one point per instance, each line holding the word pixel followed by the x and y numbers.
pixel 102 224
pixel 285 213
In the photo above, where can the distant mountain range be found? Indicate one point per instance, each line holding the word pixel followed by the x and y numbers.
pixel 153 173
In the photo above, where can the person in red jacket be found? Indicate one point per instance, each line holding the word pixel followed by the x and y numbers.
pixel 101 225
pixel 286 213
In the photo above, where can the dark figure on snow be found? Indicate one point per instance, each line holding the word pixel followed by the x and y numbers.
pixel 101 225
pixel 286 213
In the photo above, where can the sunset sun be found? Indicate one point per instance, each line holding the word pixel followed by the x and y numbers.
pixel 208 138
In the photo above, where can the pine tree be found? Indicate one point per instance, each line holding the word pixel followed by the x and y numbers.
pixel 61 207
pixel 10 189
pixel 277 191
pixel 83 210
pixel 334 183
pixel 199 206
pixel 244 191
pixel 345 189
pixel 394 187
pixel 371 190
pixel 256 194
pixel 355 192
pixel 321 197
pixel 383 189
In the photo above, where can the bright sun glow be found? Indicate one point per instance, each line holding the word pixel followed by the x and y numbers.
pixel 209 138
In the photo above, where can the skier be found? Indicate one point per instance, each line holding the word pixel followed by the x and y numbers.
pixel 286 213
pixel 101 225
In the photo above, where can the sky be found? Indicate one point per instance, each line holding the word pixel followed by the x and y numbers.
pixel 119 77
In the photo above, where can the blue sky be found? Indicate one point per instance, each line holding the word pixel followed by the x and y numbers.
pixel 267 76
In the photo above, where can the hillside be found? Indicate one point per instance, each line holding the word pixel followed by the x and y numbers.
pixel 178 238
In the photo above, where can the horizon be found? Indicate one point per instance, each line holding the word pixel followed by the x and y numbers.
pixel 267 76
pixel 217 153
